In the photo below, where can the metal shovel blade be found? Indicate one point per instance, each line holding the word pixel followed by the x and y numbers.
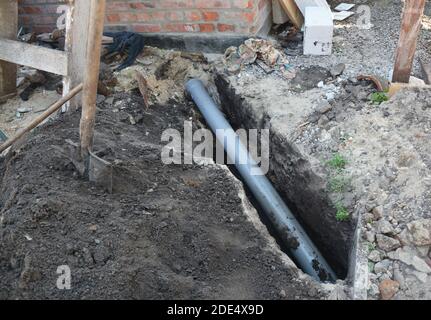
pixel 100 172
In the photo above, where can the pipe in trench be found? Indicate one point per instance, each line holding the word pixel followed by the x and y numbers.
pixel 304 251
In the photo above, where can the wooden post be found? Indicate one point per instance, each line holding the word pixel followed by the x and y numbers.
pixel 91 78
pixel 77 24
pixel 8 30
pixel 410 28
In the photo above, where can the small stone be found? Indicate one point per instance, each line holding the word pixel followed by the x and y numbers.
pixel 24 110
pixel 323 121
pixel 330 95
pixel 420 265
pixel 378 212
pixel 388 288
pixel 374 290
pixel 386 243
pixel 100 98
pixel 324 107
pixel 384 227
pixel 374 256
pixel 420 231
pixel 109 101
pixel 337 70
pixel 370 236
pixel 382 266
pixel 283 293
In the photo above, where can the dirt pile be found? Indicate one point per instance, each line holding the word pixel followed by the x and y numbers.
pixel 177 231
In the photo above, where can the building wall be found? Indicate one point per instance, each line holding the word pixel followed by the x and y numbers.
pixel 221 17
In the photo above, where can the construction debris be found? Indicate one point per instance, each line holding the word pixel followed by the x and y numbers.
pixel 259 51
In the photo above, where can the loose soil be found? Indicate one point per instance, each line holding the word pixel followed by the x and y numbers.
pixel 167 231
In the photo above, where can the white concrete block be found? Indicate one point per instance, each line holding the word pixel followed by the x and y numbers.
pixel 318 31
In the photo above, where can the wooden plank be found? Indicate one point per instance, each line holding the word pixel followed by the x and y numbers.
pixel 77 22
pixel 8 30
pixel 410 28
pixel 293 12
pixel 33 56
pixel 91 77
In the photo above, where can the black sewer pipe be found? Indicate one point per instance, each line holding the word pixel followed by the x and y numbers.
pixel 305 253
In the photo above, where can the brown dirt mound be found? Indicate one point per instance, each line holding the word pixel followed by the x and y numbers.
pixel 166 232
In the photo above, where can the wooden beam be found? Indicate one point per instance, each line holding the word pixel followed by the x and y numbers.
pixel 8 30
pixel 33 56
pixel 91 78
pixel 410 28
pixel 77 23
pixel 293 12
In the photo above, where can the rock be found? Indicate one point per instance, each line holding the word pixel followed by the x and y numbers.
pixel 330 95
pixel 100 98
pixel 378 212
pixel 374 256
pixel 283 294
pixel 384 227
pixel 386 243
pixel 338 293
pixel 422 277
pixel 337 70
pixel 24 110
pixel 324 107
pixel 109 101
pixel 370 236
pixel 388 288
pixel 323 121
pixel 420 265
pixel 408 256
pixel 382 266
pixel 420 231
pixel 398 276
pixel 373 290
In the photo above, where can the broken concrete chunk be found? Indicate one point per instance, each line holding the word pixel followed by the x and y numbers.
pixel 420 231
pixel 382 266
pixel 378 212
pixel 387 243
pixel 385 227
pixel 337 70
pixel 374 256
pixel 408 256
pixel 324 107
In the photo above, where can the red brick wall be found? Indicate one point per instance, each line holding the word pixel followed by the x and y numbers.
pixel 245 17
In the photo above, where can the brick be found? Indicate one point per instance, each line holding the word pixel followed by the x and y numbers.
pixel 206 27
pixel 210 16
pixel 156 16
pixel 223 27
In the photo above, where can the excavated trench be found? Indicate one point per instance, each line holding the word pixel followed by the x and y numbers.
pixel 300 188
